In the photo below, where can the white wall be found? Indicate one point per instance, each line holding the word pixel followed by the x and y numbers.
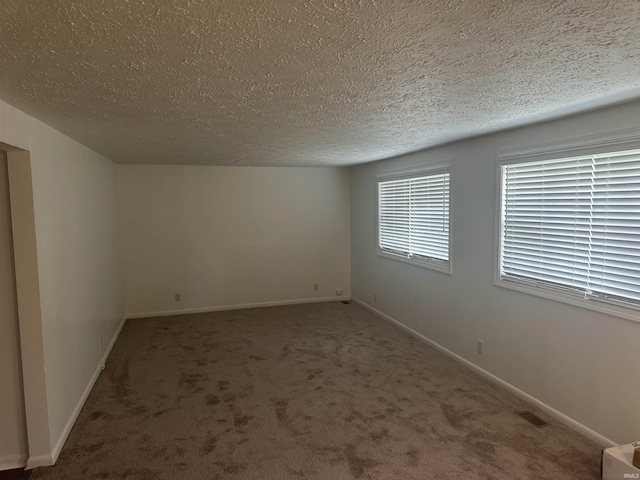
pixel 78 255
pixel 579 362
pixel 228 236
pixel 13 441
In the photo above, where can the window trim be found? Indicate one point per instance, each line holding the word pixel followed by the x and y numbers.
pixel 433 169
pixel 592 145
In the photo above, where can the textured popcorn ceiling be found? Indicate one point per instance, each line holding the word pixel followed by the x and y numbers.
pixel 314 82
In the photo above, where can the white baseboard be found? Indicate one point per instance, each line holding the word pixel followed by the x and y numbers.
pixel 552 412
pixel 237 307
pixel 39 461
pixel 74 416
pixel 9 462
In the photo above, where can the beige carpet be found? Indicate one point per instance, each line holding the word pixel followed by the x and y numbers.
pixel 323 391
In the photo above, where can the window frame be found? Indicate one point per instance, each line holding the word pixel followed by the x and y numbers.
pixel 428 263
pixel 593 145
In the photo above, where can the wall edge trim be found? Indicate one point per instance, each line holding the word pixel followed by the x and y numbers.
pixel 552 412
pixel 238 306
pixel 83 398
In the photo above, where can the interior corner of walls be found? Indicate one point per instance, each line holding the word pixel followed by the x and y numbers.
pixel 116 335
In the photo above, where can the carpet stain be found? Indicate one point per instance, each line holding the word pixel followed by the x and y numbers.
pixel 484 449
pixel 139 410
pixel 380 436
pixel 161 412
pixel 285 352
pixel 450 415
pixel 190 380
pixel 358 465
pixel 281 411
pixel 100 415
pixel 94 447
pixel 414 456
pixel 210 444
pixel 240 420
pixel 232 468
pixel 282 415
pixel 229 399
pixel 169 452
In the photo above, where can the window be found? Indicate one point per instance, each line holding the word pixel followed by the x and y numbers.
pixel 413 218
pixel 571 226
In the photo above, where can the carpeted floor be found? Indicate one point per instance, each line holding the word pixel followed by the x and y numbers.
pixel 321 391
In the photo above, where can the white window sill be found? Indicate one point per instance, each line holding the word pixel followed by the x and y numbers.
pixel 443 267
pixel 576 299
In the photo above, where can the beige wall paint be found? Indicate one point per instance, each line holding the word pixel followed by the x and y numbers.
pixel 13 440
pixel 226 236
pixel 78 265
pixel 580 362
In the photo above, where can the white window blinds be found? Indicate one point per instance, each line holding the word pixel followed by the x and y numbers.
pixel 414 217
pixel 574 224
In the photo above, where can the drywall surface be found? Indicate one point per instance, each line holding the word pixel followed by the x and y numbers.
pixel 225 236
pixel 75 209
pixel 579 362
pixel 312 82
pixel 13 440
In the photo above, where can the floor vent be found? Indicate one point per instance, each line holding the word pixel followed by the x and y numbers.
pixel 346 302
pixel 533 419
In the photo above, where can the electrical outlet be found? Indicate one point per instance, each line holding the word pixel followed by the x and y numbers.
pixel 101 343
pixel 375 297
pixel 338 292
pixel 315 286
pixel 479 346
pixel 177 297
pixel 101 365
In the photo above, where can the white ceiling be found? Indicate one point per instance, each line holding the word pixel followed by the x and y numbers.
pixel 314 82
